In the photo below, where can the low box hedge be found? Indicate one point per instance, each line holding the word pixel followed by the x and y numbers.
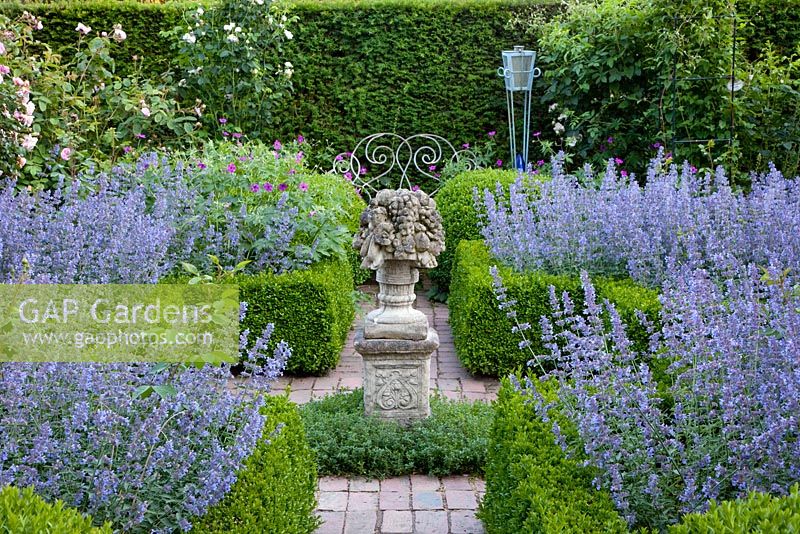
pixel 482 333
pixel 531 486
pixel 24 512
pixel 456 204
pixel 312 311
pixel 275 490
pixel 759 512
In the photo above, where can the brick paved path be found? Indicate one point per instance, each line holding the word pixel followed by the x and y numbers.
pixel 447 374
pixel 411 504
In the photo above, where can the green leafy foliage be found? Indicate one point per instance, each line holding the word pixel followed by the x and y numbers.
pixel 275 491
pixel 452 441
pixel 482 333
pixel 759 512
pixel 459 216
pixel 531 486
pixel 24 512
pixel 312 311
pixel 228 55
pixel 77 108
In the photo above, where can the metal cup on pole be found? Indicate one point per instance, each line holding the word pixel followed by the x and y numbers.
pixel 518 71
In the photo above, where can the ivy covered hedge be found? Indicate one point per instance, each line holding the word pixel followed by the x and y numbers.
pixel 312 311
pixel 531 486
pixel 482 333
pixel 459 216
pixel 275 491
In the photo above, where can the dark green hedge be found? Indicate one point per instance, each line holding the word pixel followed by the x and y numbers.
pixel 312 311
pixel 361 67
pixel 482 333
pixel 404 66
pixel 24 512
pixel 531 486
pixel 459 217
pixel 776 21
pixel 757 513
pixel 275 491
pixel 142 23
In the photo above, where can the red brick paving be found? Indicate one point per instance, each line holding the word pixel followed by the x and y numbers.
pixel 413 504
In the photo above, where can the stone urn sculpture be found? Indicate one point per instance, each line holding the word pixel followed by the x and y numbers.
pixel 401 232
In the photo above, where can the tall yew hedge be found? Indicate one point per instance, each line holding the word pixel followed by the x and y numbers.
pixel 366 66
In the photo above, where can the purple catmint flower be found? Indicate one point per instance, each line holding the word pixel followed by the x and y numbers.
pixel 725 262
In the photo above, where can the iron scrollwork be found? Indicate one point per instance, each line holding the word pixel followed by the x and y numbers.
pixel 376 157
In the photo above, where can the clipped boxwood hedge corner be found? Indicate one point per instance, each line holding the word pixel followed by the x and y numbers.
pixel 759 512
pixel 312 311
pixel 24 512
pixel 275 490
pixel 459 217
pixel 531 486
pixel 482 333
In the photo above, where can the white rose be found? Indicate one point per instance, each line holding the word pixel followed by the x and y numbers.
pixel 29 142
pixel 229 26
pixel 232 38
pixel 30 107
pixel 119 35
pixel 82 28
pixel 189 38
pixel 558 128
pixel 288 34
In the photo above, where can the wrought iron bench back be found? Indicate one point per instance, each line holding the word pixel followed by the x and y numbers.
pixel 378 158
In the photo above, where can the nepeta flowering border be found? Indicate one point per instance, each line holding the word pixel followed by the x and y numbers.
pixel 724 420
pixel 86 434
pixel 619 227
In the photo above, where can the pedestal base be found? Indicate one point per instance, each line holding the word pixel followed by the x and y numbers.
pixel 397 376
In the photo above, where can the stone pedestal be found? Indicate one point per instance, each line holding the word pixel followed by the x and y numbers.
pixel 397 376
pixel 396 318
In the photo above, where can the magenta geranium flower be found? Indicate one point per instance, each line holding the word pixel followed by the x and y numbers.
pixel 254 188
pixel 277 145
pixel 231 168
pixel 300 139
pixel 492 133
pixel 619 161
pixel 283 187
pixel 267 187
pixel 303 186
pixel 348 176
pixel 499 162
pixel 223 120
